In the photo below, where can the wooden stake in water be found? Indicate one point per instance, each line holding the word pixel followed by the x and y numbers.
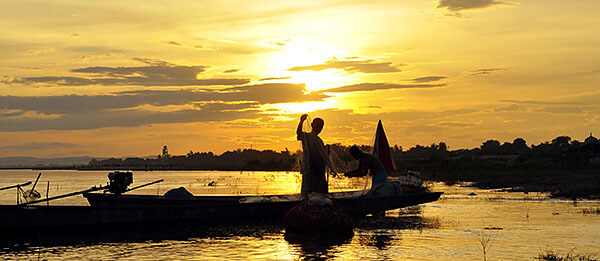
pixel 47 192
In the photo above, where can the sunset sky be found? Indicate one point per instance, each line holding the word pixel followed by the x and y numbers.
pixel 121 78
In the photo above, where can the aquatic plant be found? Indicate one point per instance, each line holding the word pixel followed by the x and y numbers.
pixel 550 255
pixel 485 241
pixel 591 211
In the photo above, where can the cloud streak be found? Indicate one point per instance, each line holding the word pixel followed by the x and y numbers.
pixel 428 79
pixel 134 108
pixel 380 86
pixel 39 146
pixel 363 66
pixel 486 71
pixel 274 78
pixel 461 5
pixel 155 73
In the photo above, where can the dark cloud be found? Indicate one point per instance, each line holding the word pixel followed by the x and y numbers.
pixel 232 71
pixel 264 93
pixel 280 43
pixel 40 146
pixel 270 93
pixel 380 86
pixel 486 71
pixel 66 81
pixel 461 5
pixel 173 43
pixel 364 66
pixel 428 79
pixel 274 78
pixel 131 118
pixel 151 61
pixel 159 72
pixel 156 73
pixel 124 108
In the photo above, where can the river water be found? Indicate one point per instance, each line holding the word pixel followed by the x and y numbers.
pixel 516 226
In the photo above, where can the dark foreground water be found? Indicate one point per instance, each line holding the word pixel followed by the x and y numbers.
pixel 517 226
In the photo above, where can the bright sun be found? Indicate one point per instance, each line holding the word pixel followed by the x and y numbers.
pixel 304 53
pixel 319 80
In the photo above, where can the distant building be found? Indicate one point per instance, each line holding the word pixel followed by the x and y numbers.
pixel 165 152
pixel 590 139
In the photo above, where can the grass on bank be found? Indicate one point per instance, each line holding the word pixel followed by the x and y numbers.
pixel 550 255
pixel 591 211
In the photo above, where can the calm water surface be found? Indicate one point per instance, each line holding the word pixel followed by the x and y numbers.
pixel 519 225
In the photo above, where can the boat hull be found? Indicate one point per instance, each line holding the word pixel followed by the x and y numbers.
pixel 113 211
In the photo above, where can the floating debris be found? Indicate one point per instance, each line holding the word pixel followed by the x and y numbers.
pixel 493 228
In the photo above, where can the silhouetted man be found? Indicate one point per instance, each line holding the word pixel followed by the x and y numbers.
pixel 367 162
pixel 314 158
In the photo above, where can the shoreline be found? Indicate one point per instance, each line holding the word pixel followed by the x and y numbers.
pixel 573 184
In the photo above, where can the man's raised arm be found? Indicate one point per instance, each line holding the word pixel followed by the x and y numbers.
pixel 299 130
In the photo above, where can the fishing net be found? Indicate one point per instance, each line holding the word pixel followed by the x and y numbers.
pixel 31 195
pixel 317 213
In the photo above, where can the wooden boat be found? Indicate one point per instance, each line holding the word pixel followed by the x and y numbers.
pixel 110 210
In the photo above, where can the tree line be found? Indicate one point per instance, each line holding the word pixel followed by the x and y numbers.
pixel 562 152
pixel 562 166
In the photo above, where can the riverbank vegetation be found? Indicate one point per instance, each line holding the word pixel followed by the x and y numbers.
pixel 550 255
pixel 591 211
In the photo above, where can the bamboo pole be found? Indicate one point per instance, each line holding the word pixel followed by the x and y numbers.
pixel 18 185
pixel 34 184
pixel 147 184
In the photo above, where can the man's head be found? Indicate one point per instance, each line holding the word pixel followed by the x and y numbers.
pixel 317 125
pixel 355 152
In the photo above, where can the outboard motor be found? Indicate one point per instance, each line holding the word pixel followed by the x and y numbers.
pixel 119 181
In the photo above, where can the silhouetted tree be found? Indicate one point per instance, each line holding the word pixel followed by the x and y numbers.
pixel 491 147
pixel 520 146
pixel 561 141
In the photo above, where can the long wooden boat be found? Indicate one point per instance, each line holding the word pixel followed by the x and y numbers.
pixel 110 210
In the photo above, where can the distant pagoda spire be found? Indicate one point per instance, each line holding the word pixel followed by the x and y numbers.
pixel 165 152
pixel 590 139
